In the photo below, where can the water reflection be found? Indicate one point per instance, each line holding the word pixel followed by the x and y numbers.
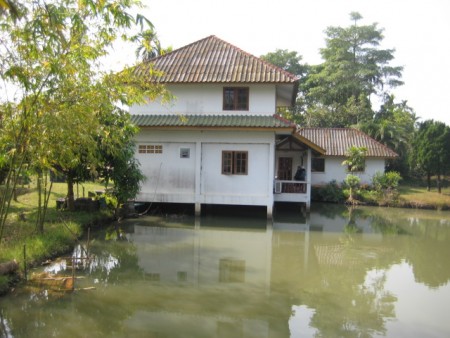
pixel 338 273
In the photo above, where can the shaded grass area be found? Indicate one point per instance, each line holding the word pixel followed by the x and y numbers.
pixel 61 230
pixel 420 197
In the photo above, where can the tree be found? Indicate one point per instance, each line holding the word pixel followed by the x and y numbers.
pixel 354 69
pixel 149 45
pixel 394 126
pixel 431 150
pixel 287 60
pixel 53 87
pixel 118 162
pixel 356 159
pixel 290 61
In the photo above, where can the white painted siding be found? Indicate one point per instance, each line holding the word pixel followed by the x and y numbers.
pixel 208 99
pixel 334 170
pixel 199 179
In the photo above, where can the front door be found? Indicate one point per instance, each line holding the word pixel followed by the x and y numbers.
pixel 285 168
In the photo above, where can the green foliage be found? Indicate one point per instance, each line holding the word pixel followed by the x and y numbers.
pixel 4 285
pixel 356 159
pixel 55 94
pixel 431 149
pixel 385 187
pixel 149 45
pixel 352 182
pixel 386 181
pixel 394 126
pixel 331 192
pixel 287 60
pixel 355 68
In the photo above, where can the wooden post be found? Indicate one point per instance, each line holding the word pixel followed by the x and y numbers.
pixel 25 261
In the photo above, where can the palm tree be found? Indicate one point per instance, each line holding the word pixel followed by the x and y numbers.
pixel 149 45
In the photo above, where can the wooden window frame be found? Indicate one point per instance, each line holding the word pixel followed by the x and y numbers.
pixel 234 162
pixel 236 105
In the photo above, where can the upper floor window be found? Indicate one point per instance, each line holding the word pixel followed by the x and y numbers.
pixel 235 98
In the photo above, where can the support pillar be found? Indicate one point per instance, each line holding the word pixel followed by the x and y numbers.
pixel 198 209
pixel 269 212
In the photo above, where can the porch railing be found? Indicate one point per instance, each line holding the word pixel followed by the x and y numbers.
pixel 290 187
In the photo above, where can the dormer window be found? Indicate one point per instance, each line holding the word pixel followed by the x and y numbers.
pixel 235 98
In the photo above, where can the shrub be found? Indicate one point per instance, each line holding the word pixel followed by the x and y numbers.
pixel 386 187
pixel 331 192
pixel 386 181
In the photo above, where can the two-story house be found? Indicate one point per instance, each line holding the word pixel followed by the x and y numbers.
pixel 220 140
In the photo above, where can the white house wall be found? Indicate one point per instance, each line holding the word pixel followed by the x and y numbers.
pixel 208 99
pixel 334 170
pixel 199 179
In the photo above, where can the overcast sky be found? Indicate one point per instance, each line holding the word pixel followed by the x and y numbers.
pixel 419 31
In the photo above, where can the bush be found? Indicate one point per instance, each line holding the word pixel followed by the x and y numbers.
pixel 386 186
pixel 331 192
pixel 386 181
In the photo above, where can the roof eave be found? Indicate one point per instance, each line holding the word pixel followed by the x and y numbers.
pixel 309 143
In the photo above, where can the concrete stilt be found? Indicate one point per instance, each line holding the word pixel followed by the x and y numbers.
pixel 198 209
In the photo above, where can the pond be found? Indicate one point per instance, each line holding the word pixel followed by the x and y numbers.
pixel 339 272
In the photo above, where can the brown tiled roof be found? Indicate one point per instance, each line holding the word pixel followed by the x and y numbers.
pixel 211 121
pixel 336 141
pixel 212 60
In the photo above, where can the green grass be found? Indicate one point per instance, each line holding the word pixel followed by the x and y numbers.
pixel 417 196
pixel 61 230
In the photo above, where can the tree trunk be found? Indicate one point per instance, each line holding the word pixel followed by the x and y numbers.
pixel 439 183
pixel 428 181
pixel 70 194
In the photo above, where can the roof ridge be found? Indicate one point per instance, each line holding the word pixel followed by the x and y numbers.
pixel 214 60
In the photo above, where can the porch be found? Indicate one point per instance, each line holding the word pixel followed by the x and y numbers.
pixel 292 191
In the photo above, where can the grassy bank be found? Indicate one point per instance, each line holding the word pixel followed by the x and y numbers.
pixel 419 197
pixel 411 194
pixel 61 230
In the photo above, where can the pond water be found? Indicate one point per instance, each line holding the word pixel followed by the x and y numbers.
pixel 365 272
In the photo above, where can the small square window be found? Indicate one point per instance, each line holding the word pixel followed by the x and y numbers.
pixel 318 164
pixel 185 153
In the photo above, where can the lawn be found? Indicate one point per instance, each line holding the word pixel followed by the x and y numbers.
pixel 60 230
pixel 421 198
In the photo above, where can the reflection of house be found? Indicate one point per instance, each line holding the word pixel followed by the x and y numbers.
pixel 206 258
pixel 220 140
pixel 216 268
pixel 336 141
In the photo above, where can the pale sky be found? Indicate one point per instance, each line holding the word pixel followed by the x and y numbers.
pixel 419 31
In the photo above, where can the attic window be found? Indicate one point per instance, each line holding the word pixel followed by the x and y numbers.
pixel 235 98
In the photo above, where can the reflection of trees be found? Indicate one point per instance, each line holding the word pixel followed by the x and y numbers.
pixel 428 252
pixel 345 305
